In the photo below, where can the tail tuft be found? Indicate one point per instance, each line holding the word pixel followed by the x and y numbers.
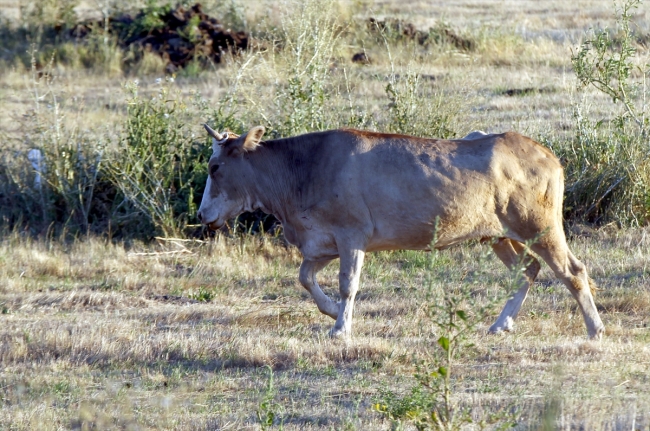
pixel 593 287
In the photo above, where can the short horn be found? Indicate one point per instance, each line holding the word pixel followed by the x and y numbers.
pixel 214 134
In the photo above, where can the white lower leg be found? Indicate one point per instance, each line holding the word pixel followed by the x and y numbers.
pixel 505 321
pixel 349 275
pixel 343 325
pixel 595 327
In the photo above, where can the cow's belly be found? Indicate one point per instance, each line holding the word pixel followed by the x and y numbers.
pixel 424 239
pixel 411 239
pixel 415 231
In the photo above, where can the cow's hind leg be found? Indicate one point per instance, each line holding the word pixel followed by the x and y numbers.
pixel 307 278
pixel 512 253
pixel 573 273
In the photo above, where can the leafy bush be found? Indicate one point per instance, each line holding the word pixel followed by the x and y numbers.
pixel 158 166
pixel 148 20
pixel 420 111
pixel 608 171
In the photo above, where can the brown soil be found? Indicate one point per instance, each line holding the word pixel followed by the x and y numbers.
pixel 180 36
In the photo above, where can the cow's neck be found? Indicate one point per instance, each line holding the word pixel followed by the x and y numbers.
pixel 275 183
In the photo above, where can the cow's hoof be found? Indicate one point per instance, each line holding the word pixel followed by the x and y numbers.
pixel 499 327
pixel 598 334
pixel 494 329
pixel 339 333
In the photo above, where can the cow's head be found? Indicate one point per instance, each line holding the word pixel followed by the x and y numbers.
pixel 224 196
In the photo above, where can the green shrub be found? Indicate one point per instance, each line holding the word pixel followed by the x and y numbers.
pixel 607 171
pixel 607 167
pixel 148 20
pixel 419 110
pixel 202 295
pixel 158 165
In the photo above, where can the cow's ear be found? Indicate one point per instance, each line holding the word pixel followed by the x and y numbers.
pixel 253 138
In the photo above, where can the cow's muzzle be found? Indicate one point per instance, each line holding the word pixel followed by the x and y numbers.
pixel 214 224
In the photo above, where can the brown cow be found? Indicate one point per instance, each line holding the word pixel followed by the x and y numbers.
pixel 342 193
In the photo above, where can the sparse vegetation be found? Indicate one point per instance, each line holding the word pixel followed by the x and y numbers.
pixel 113 317
pixel 452 313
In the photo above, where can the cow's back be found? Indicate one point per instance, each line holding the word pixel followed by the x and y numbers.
pixel 400 187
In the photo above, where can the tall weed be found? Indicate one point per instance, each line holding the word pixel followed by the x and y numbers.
pixel 415 106
pixel 452 313
pixel 290 87
pixel 419 110
pixel 607 61
pixel 50 175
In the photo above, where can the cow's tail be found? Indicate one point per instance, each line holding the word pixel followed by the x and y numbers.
pixel 559 205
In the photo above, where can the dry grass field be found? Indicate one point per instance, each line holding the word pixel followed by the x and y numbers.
pixel 100 332
pixel 96 336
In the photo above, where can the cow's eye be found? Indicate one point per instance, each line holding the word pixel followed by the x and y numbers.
pixel 213 169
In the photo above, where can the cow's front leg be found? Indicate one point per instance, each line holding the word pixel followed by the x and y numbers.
pixel 349 274
pixel 307 277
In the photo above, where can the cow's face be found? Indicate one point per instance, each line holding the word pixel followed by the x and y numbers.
pixel 225 196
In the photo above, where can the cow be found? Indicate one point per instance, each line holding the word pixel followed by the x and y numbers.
pixel 343 193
